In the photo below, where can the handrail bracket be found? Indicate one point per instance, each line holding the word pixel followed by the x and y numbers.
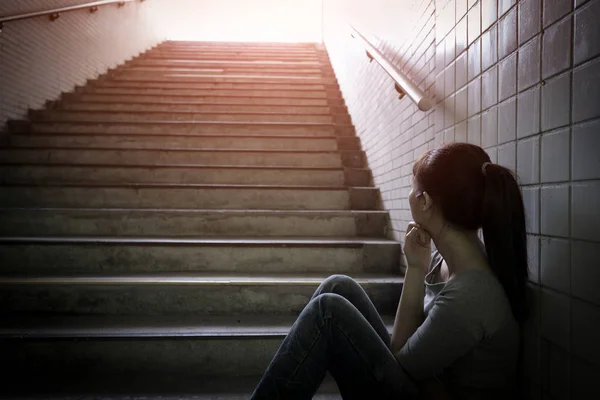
pixel 402 84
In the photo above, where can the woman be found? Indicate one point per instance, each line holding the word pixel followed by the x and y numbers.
pixel 456 331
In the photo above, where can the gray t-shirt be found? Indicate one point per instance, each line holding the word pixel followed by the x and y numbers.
pixel 469 340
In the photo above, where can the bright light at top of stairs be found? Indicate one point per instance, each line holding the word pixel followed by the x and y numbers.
pixel 247 21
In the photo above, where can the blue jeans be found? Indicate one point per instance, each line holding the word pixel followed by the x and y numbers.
pixel 339 331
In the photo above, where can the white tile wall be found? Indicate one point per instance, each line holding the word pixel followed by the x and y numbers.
pixel 556 106
pixel 40 59
pixel 556 317
pixel 586 91
pixel 555 162
pixel 585 274
pixel 586 150
pixel 556 261
pixel 556 48
pixel 587 32
pixel 528 113
pixel 554 119
pixel 554 206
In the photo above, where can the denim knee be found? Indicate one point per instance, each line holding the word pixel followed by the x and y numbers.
pixel 331 304
pixel 337 281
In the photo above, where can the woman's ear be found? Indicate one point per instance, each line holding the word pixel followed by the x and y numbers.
pixel 426 202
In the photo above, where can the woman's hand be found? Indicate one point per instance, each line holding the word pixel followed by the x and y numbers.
pixel 417 247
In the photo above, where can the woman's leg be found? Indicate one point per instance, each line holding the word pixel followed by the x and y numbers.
pixel 332 335
pixel 349 289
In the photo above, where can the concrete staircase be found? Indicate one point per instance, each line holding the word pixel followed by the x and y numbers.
pixel 162 226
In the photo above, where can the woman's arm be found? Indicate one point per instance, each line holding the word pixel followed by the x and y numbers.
pixel 409 315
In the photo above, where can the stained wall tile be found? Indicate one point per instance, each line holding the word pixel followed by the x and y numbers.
pixel 585 274
pixel 586 91
pixel 555 10
pixel 555 206
pixel 529 19
pixel 489 13
pixel 528 113
pixel 474 23
pixel 507 72
pixel 474 130
pixel 474 96
pixel 556 48
pixel 507 156
pixel 586 151
pixel 507 34
pixel 507 121
pixel 531 201
pixel 489 88
pixel 556 95
pixel 556 264
pixel 587 32
pixel 489 128
pixel 489 48
pixel 529 64
pixel 585 212
pixel 556 325
pixel 586 331
pixel 555 160
pixel 528 160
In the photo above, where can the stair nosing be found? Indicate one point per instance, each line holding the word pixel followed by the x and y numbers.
pixel 170 166
pixel 245 113
pixel 202 241
pixel 348 213
pixel 179 135
pixel 196 279
pixel 195 104
pixel 71 327
pixel 194 123
pixel 195 186
pixel 177 149
pixel 195 95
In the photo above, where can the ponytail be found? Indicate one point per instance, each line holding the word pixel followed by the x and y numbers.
pixel 505 235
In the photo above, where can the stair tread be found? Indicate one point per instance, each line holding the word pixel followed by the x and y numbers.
pixel 178 186
pixel 206 241
pixel 144 326
pixel 343 213
pixel 174 166
pixel 176 149
pixel 191 135
pixel 166 122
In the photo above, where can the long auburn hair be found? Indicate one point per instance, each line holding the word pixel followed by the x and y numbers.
pixel 472 197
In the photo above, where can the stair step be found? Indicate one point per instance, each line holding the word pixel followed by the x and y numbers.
pixel 149 90
pixel 143 62
pixel 174 54
pixel 97 350
pixel 192 223
pixel 167 84
pixel 190 196
pixel 176 127
pixel 182 174
pixel 237 77
pixel 141 116
pixel 196 108
pixel 167 96
pixel 178 294
pixel 220 69
pixel 129 255
pixel 137 327
pixel 198 142
pixel 184 157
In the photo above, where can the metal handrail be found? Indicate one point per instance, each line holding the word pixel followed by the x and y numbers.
pixel 55 12
pixel 403 84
